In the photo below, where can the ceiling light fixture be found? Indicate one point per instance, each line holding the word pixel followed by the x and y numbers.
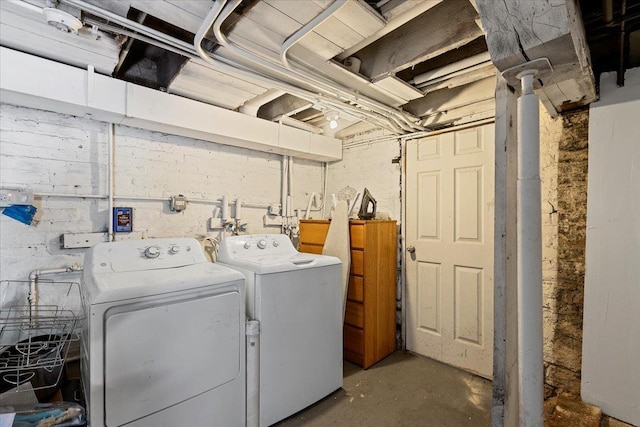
pixel 332 117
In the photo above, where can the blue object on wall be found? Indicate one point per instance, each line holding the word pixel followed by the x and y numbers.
pixel 123 220
pixel 22 213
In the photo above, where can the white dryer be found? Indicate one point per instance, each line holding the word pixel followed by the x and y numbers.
pixel 164 341
pixel 297 299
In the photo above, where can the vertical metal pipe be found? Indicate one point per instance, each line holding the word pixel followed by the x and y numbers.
pixel 110 167
pixel 529 259
pixel 623 43
pixel 607 11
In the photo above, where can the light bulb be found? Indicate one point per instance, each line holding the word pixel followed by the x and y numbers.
pixel 332 117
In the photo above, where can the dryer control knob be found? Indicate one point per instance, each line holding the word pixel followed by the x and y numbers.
pixel 275 244
pixel 174 249
pixel 247 245
pixel 152 252
pixel 262 244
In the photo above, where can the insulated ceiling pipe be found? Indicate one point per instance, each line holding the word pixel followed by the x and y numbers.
pixel 529 246
pixel 320 83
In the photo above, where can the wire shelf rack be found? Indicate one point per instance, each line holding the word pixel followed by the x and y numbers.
pixel 38 323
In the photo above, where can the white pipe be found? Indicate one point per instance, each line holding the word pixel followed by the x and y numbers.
pixel 529 258
pixel 238 209
pixel 304 76
pixel 224 209
pixel 253 373
pixel 27 6
pixel 283 193
pixel 224 41
pixel 72 196
pixel 324 187
pixel 306 213
pixel 307 28
pixel 252 106
pixel 110 185
pixel 290 187
pixel 172 44
pixel 33 283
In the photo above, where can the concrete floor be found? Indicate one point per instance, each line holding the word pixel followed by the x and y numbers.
pixel 403 389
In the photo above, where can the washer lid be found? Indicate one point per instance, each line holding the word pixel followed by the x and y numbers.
pixel 117 286
pixel 281 263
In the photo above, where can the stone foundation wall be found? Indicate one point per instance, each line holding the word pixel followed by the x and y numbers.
pixel 564 149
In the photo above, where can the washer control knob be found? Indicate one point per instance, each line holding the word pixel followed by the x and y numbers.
pixel 262 244
pixel 247 245
pixel 276 244
pixel 152 252
pixel 174 249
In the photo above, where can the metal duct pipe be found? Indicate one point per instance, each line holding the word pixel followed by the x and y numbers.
pixel 529 258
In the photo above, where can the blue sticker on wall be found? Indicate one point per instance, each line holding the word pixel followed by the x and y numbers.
pixel 123 220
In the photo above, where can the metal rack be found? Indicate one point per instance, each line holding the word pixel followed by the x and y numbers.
pixel 38 323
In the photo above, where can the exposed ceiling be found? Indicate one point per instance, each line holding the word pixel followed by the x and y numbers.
pixel 613 34
pixel 401 65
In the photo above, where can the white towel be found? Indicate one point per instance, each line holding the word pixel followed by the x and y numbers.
pixel 338 245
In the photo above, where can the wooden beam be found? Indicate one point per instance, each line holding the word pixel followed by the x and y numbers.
pixel 446 26
pixel 440 101
pixel 519 31
pixel 282 106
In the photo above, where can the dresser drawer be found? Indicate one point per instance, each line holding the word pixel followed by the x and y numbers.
pixel 354 314
pixel 356 289
pixel 356 232
pixel 311 249
pixel 357 262
pixel 313 232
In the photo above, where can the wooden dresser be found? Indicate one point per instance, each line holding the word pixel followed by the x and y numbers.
pixel 370 319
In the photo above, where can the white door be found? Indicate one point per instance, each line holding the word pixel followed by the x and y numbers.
pixel 449 239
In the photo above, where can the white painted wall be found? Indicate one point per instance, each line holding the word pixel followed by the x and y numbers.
pixel 611 340
pixel 370 166
pixel 55 153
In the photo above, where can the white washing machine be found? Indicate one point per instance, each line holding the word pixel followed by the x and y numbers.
pixel 164 340
pixel 297 299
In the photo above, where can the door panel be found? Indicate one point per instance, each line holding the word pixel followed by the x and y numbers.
pixel 449 202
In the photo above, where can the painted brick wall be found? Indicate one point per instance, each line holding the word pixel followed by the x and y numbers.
pixel 54 153
pixel 370 166
pixel 564 149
